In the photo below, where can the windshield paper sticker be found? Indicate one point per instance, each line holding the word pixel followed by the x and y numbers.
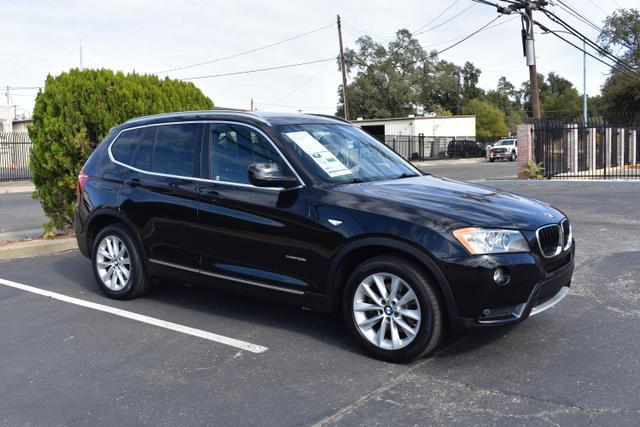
pixel 323 157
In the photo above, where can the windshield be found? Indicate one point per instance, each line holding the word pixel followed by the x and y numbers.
pixel 505 142
pixel 343 153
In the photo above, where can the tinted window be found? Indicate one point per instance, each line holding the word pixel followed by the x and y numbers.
pixel 232 149
pixel 133 147
pixel 174 151
pixel 124 147
pixel 143 156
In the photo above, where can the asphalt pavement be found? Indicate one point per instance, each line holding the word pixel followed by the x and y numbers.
pixel 470 169
pixel 21 217
pixel 575 364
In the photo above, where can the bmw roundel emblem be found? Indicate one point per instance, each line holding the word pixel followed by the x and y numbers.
pixel 550 216
pixel 388 311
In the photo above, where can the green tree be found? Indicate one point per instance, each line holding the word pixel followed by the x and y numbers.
pixel 402 78
pixel 507 98
pixel 74 113
pixel 490 121
pixel 621 36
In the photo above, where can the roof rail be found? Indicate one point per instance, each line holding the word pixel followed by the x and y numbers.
pixel 330 116
pixel 222 112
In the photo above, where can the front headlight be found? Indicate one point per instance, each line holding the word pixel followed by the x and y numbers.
pixel 480 241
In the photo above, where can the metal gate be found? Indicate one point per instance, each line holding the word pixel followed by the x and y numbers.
pixel 15 149
pixel 598 150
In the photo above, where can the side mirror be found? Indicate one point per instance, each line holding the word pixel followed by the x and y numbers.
pixel 270 175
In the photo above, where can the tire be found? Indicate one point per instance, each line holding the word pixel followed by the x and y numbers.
pixel 511 158
pixel 422 313
pixel 492 160
pixel 111 239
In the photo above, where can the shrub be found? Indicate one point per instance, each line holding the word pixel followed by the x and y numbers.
pixel 74 113
pixel 534 170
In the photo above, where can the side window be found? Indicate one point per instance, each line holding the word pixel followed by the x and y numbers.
pixel 233 148
pixel 144 154
pixel 133 147
pixel 124 147
pixel 174 151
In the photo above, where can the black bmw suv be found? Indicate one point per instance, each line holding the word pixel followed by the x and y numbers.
pixel 313 210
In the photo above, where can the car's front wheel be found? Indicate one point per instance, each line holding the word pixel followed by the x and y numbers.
pixel 117 264
pixel 393 309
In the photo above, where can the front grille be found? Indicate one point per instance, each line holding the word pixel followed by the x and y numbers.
pixel 499 150
pixel 549 240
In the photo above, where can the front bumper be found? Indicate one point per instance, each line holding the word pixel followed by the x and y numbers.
pixel 536 286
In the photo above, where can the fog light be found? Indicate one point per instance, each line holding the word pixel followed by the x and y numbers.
pixel 501 277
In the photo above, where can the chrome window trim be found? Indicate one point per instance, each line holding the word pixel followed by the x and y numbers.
pixel 225 277
pixel 560 243
pixel 209 121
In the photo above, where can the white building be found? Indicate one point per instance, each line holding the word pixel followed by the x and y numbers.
pixel 458 127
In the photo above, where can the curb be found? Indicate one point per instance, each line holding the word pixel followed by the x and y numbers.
pixel 17 188
pixel 609 183
pixel 32 248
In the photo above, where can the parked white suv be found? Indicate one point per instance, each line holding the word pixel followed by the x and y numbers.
pixel 506 148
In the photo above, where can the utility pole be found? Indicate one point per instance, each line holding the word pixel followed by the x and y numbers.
pixel 584 81
pixel 530 53
pixel 7 95
pixel 81 66
pixel 345 89
pixel 251 104
pixel 459 94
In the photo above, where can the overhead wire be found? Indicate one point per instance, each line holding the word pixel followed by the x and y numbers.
pixel 256 70
pixel 245 52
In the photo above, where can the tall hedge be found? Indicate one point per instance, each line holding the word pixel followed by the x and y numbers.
pixel 74 113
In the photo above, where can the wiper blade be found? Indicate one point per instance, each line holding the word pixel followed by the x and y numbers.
pixel 407 175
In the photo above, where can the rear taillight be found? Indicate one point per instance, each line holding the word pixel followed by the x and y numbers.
pixel 82 180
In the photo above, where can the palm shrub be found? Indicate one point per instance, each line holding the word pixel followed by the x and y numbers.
pixel 74 113
pixel 534 170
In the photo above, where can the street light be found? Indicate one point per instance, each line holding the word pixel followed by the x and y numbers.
pixel 584 72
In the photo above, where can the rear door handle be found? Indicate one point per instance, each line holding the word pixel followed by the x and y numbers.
pixel 210 192
pixel 133 182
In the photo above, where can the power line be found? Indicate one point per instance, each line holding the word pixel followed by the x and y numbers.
pixel 602 51
pixel 235 55
pixel 437 17
pixel 463 11
pixel 461 37
pixel 470 35
pixel 623 70
pixel 278 67
pixel 306 82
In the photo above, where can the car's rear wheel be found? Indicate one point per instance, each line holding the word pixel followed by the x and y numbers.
pixel 117 264
pixel 491 160
pixel 393 310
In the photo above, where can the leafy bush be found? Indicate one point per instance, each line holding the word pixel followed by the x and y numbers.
pixel 74 113
pixel 534 170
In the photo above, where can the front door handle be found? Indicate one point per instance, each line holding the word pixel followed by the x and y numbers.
pixel 133 182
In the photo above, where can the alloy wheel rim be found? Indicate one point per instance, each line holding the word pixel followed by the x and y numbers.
pixel 386 311
pixel 113 263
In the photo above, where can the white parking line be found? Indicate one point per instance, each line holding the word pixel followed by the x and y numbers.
pixel 140 318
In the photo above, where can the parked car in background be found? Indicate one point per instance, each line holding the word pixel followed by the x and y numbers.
pixel 315 211
pixel 464 148
pixel 506 148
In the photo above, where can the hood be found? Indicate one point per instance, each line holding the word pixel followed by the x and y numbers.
pixel 467 204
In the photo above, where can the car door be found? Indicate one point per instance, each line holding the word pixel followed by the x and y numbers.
pixel 251 235
pixel 160 191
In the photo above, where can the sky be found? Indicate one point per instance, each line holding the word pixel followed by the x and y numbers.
pixel 44 37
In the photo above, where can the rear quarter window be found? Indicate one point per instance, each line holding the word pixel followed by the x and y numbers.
pixel 174 151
